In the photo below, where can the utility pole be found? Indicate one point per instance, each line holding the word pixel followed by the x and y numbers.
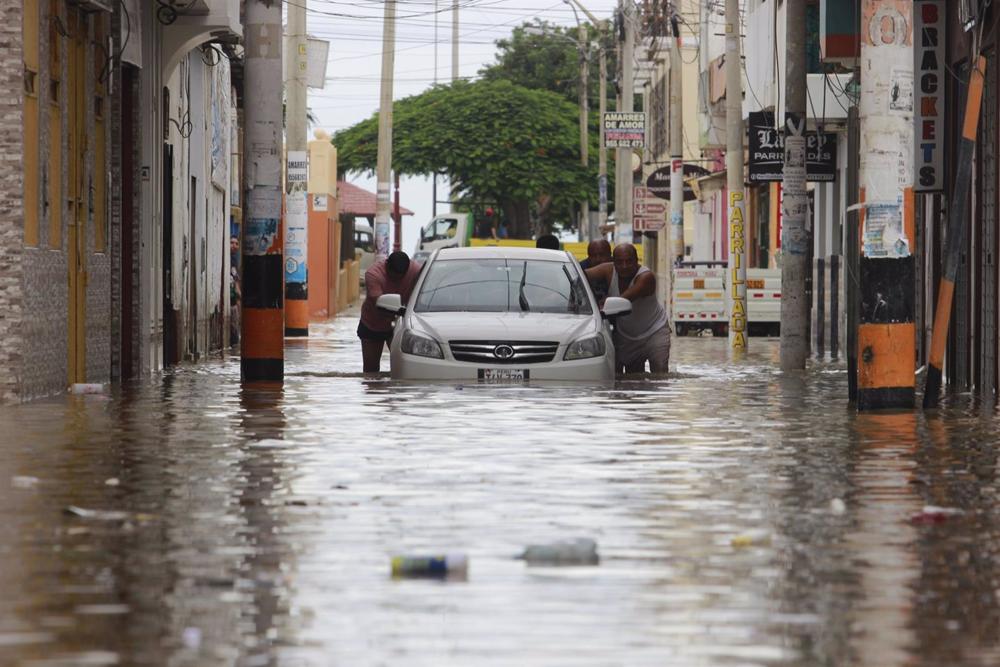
pixel 676 143
pixel 453 193
pixel 434 177
pixel 296 227
pixel 796 236
pixel 736 294
pixel 383 165
pixel 262 357
pixel 454 41
pixel 626 102
pixel 584 129
pixel 886 338
pixel 397 217
pixel 602 160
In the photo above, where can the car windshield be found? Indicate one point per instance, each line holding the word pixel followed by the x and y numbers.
pixel 503 285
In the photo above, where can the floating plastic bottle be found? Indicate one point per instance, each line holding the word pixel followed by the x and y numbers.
pixel 580 551
pixel 448 566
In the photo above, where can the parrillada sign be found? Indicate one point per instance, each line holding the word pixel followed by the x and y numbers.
pixel 928 103
pixel 767 152
pixel 767 148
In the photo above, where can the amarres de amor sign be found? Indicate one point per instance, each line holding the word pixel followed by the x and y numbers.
pixel 624 129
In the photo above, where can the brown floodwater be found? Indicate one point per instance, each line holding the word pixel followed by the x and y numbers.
pixel 742 516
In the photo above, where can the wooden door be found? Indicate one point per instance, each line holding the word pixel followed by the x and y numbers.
pixel 77 194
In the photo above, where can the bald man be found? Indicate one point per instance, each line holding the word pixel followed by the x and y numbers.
pixel 644 334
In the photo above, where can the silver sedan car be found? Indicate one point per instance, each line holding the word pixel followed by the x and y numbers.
pixel 502 315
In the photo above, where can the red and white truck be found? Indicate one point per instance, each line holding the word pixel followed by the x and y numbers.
pixel 699 299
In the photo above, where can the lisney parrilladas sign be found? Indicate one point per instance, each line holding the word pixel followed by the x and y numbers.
pixel 767 152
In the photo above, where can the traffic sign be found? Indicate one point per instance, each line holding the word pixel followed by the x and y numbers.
pixel 648 224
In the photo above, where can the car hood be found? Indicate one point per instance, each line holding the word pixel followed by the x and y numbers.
pixel 562 327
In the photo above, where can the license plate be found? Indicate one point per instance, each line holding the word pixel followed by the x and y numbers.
pixel 503 375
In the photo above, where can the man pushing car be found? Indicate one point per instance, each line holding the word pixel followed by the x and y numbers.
pixel 644 334
pixel 395 274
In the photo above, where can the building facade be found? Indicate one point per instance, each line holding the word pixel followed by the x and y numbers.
pixel 100 95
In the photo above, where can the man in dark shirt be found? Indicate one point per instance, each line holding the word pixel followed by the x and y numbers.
pixel 598 252
pixel 396 274
pixel 547 241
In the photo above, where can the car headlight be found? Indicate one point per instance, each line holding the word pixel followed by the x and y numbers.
pixel 420 346
pixel 586 348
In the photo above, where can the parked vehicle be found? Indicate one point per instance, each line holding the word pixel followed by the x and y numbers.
pixel 502 315
pixel 364 246
pixel 450 230
pixel 699 299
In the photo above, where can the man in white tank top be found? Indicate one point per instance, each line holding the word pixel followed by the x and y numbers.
pixel 644 334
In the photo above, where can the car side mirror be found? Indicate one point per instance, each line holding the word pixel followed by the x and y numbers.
pixel 615 305
pixel 391 303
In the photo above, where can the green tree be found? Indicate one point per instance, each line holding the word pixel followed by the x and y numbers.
pixel 547 57
pixel 544 56
pixel 496 141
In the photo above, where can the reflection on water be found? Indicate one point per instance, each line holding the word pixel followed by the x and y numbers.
pixel 255 526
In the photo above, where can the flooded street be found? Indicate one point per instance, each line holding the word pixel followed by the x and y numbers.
pixel 742 518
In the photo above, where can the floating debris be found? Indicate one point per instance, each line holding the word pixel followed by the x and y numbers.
pixel 935 514
pixel 751 538
pixel 101 609
pixel 579 551
pixel 449 566
pixel 95 515
pixel 24 482
pixel 88 388
pixel 191 637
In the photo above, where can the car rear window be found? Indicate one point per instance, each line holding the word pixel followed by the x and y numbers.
pixel 503 285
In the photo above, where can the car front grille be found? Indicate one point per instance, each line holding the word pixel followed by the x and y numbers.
pixel 485 351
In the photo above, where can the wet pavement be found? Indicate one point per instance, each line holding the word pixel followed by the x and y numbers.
pixel 742 518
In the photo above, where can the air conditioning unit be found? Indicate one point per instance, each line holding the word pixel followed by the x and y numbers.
pixel 93 5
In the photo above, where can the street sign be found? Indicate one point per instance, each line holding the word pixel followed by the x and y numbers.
pixel 648 224
pixel 648 213
pixel 928 104
pixel 624 129
pixel 658 182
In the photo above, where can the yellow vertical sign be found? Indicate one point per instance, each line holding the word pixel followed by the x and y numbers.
pixel 737 272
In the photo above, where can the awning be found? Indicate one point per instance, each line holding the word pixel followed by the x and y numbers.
pixel 706 185
pixel 359 202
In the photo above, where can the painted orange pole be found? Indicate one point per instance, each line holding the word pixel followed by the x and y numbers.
pixel 956 234
pixel 262 356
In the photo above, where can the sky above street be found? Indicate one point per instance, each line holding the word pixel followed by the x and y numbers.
pixel 424 27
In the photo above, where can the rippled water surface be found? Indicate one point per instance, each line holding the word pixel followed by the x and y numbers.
pixel 742 517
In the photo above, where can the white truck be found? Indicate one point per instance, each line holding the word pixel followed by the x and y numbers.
pixel 699 299
pixel 448 230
